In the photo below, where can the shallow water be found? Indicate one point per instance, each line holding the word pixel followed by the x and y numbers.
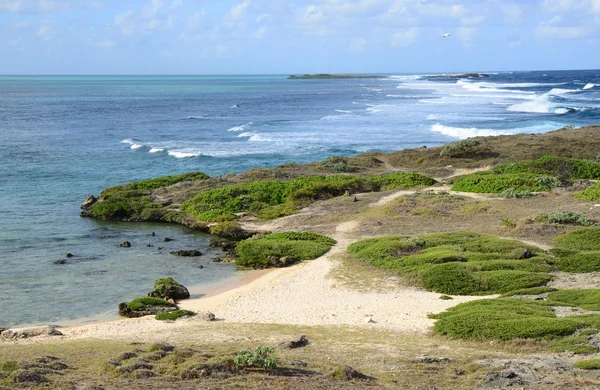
pixel 65 137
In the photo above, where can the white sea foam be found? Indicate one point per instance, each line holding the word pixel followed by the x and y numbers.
pixel 540 105
pixel 240 128
pixel 259 138
pixel 589 86
pixel 462 133
pixel 432 117
pixel 182 154
pixel 344 111
pixel 246 134
pixel 156 150
pixel 235 106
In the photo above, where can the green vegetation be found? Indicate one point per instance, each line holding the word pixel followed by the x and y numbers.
pixel 174 315
pixel 462 148
pixel 579 262
pixel 272 199
pixel 564 218
pixel 337 164
pixel 458 263
pixel 575 344
pixel 490 182
pixel 505 319
pixel 530 291
pixel 9 366
pixel 230 230
pixel 260 357
pixel 511 193
pixel 591 364
pixel 520 178
pixel 592 193
pixel 162 286
pixel 587 299
pixel 151 184
pixel 256 251
pixel 131 201
pixel 587 239
pixel 140 303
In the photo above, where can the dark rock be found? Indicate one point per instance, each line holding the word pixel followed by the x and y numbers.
pixel 167 239
pixel 206 316
pixel 302 341
pixel 149 245
pixel 165 347
pixel 60 261
pixel 298 363
pixel 433 359
pixel 527 254
pixel 169 289
pixel 125 244
pixel 93 388
pixel 216 259
pixel 133 367
pixel 143 374
pixel 69 255
pixel 355 199
pixel 29 376
pixel 88 202
pixel 350 373
pixel 156 355
pixel 127 356
pixel 153 234
pixel 187 253
pixel 145 311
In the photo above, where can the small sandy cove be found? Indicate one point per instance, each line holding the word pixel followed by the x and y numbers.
pixel 304 294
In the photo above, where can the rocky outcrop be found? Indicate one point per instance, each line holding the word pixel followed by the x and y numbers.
pixel 89 201
pixel 168 288
pixel 187 253
pixel 26 333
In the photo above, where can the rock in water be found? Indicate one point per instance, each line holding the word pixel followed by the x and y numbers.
pixel 168 288
pixel 89 202
pixel 125 244
pixel 187 253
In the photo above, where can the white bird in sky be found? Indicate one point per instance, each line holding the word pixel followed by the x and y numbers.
pixel 446 35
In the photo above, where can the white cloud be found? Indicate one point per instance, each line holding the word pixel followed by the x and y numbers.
pixel 473 20
pixel 108 43
pixel 46 31
pixel 405 37
pixel 465 34
pixel 20 25
pixel 238 11
pixel 260 33
pixel 197 20
pixel 122 18
pixel 312 14
pixel 47 6
pixel 560 6
pixel 513 14
pixel 152 10
pixel 551 30
pixel 595 6
pixel 12 5
pixel 357 45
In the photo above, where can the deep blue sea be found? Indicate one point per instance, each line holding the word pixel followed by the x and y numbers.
pixel 62 138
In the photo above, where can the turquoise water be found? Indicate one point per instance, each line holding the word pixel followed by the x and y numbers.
pixel 66 137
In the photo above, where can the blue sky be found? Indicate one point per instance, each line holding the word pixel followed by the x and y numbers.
pixel 296 36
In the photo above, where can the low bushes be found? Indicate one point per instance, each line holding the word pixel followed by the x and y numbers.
pixel 564 218
pixel 461 148
pixel 592 193
pixel 561 167
pixel 256 252
pixel 591 364
pixel 272 199
pixel 152 184
pixel 337 164
pixel 496 183
pixel 588 299
pixel 174 315
pixel 587 239
pixel 140 303
pixel 458 263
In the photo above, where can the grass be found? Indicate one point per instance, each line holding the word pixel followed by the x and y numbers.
pixel 591 364
pixel 458 263
pixel 505 319
pixel 530 291
pixel 587 299
pixel 591 194
pixel 490 182
pixel 256 251
pixel 174 315
pixel 140 303
pixel 557 166
pixel 575 344
pixel 272 199
pixel 135 188
pixel 587 239
pixel 577 262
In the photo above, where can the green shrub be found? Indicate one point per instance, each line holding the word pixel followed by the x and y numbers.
pixel 504 319
pixel 564 218
pixel 161 286
pixel 591 364
pixel 126 208
pixel 530 291
pixel 495 183
pixel 592 193
pixel 578 262
pixel 174 315
pixel 260 357
pixel 230 230
pixel 271 199
pixel 576 344
pixel 140 187
pixel 337 164
pixel 255 252
pixel 460 148
pixel 547 181
pixel 457 263
pixel 587 299
pixel 586 239
pixel 9 366
pixel 511 193
pixel 563 167
pixel 140 303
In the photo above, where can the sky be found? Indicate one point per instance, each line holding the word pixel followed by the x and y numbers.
pixel 61 37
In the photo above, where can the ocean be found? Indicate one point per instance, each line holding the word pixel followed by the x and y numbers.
pixel 66 137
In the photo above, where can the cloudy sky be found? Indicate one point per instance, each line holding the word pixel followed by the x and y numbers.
pixel 296 36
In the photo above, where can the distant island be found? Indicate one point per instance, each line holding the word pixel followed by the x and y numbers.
pixel 332 76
